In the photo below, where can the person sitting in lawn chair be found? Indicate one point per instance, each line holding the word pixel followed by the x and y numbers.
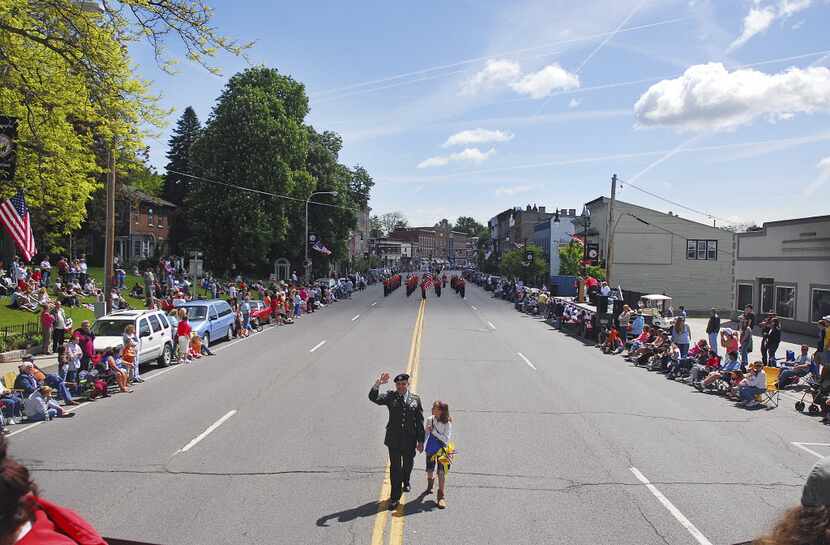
pixel 792 371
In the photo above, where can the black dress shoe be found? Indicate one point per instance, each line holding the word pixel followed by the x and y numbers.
pixel 406 487
pixel 393 504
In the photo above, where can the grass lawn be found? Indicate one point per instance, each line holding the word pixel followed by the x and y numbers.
pixel 12 316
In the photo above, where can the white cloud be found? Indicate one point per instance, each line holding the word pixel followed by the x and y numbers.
pixel 473 155
pixel 708 96
pixel 824 175
pixel 477 136
pixel 509 191
pixel 542 83
pixel 786 8
pixel 494 73
pixel 759 19
pixel 574 103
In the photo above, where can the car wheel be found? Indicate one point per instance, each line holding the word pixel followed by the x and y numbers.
pixel 166 356
pixel 206 340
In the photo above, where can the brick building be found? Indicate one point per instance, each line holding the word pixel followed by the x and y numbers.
pixel 144 226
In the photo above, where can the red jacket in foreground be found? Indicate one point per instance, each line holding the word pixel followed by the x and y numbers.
pixel 55 525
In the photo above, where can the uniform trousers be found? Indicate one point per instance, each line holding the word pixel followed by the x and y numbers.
pixel 400 468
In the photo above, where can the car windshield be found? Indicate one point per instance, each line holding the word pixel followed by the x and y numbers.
pixel 110 328
pixel 196 313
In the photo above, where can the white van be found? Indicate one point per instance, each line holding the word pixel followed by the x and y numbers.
pixel 154 332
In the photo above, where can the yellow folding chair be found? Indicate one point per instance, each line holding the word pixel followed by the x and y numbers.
pixel 8 381
pixel 772 395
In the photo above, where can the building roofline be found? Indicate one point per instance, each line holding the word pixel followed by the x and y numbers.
pixel 674 216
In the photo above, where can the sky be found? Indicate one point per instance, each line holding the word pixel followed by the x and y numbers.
pixel 714 109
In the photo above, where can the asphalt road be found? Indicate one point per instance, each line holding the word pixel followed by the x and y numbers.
pixel 556 441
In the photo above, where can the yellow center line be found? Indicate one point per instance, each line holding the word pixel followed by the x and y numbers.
pixel 396 532
pixel 386 487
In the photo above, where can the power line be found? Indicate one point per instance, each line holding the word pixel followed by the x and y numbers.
pixel 675 203
pixel 258 191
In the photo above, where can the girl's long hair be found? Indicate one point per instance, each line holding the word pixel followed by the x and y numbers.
pixel 800 526
pixel 17 493
pixel 444 417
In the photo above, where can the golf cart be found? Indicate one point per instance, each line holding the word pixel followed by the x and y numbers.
pixel 655 309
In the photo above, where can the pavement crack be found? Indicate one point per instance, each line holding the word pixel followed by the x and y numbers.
pixel 651 525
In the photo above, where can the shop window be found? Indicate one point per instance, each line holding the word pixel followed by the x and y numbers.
pixel 785 301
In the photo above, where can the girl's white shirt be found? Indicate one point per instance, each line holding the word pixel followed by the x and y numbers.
pixel 442 431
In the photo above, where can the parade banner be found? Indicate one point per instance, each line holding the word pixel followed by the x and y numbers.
pixel 8 151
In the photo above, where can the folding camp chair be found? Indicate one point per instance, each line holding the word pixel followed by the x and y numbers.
pixel 772 394
pixel 8 381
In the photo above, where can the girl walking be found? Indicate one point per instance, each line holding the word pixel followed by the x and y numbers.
pixel 438 427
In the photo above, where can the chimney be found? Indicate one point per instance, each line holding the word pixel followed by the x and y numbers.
pixel 542 209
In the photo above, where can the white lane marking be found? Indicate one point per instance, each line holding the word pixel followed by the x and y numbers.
pixel 66 410
pixel 373 304
pixel 491 325
pixel 154 375
pixel 207 432
pixel 474 307
pixel 21 430
pixel 686 523
pixel 527 361
pixel 321 343
pixel 356 317
pixel 811 451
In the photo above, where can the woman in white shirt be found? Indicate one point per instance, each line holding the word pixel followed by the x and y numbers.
pixel 438 427
pixel 754 383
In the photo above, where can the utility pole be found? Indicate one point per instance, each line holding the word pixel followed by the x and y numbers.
pixel 109 231
pixel 609 239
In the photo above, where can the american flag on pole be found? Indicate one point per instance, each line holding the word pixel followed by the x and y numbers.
pixel 15 219
pixel 426 282
pixel 320 247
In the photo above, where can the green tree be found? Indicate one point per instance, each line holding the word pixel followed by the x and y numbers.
pixel 375 227
pixel 467 224
pixel 570 262
pixel 261 112
pixel 67 76
pixel 514 264
pixel 177 186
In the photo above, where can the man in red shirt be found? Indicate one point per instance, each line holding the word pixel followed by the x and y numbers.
pixel 47 321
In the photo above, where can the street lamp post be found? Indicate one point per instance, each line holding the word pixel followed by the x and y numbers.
pixel 307 263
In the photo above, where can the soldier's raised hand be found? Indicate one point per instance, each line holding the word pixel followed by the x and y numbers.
pixel 384 378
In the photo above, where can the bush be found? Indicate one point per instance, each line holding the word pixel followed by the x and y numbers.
pixel 19 342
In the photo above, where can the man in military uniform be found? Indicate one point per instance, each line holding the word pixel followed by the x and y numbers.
pixel 404 431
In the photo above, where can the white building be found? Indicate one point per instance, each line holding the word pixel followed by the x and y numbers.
pixel 785 267
pixel 656 252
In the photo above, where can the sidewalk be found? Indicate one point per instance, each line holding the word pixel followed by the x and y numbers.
pixel 789 341
pixel 48 364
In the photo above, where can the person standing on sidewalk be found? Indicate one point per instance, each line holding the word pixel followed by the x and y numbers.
pixel 59 327
pixel 404 431
pixel 766 325
pixel 745 343
pixel 47 321
pixel 773 340
pixel 131 343
pixel 712 329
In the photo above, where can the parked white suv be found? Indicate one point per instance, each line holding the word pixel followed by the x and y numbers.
pixel 154 332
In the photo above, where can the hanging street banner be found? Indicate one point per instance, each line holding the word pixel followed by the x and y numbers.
pixel 8 151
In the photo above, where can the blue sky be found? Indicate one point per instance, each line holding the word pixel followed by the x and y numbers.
pixel 468 108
